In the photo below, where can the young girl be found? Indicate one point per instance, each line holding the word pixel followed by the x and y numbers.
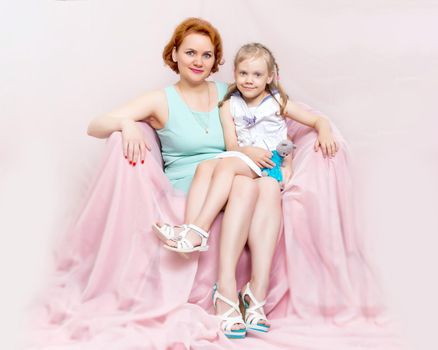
pixel 253 120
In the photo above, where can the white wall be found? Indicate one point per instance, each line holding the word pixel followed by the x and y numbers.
pixel 370 65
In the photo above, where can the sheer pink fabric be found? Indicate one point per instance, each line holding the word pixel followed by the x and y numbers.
pixel 116 288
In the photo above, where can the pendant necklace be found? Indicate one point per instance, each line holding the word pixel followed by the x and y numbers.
pixel 202 124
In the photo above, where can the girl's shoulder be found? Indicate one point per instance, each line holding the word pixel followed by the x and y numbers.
pixel 225 104
pixel 236 100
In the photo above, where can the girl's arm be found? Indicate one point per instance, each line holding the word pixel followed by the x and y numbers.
pixel 150 107
pixel 260 156
pixel 325 139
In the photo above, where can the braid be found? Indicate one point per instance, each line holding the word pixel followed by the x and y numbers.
pixel 230 91
pixel 275 84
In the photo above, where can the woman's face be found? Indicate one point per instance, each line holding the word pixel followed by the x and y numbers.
pixel 195 57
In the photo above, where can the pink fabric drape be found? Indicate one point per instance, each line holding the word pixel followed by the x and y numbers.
pixel 116 288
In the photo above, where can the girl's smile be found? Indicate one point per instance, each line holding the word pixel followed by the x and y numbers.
pixel 251 77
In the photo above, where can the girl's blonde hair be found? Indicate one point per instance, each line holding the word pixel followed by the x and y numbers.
pixel 255 50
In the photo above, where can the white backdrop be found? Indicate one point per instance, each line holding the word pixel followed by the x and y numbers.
pixel 372 66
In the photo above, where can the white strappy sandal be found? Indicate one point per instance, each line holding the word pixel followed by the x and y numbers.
pixel 183 245
pixel 229 321
pixel 166 232
pixel 252 316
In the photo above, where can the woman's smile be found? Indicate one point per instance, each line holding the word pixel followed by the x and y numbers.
pixel 197 71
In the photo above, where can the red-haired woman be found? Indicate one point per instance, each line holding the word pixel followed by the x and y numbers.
pixel 186 119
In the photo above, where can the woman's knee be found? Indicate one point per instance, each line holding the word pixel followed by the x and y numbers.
pixel 231 167
pixel 206 168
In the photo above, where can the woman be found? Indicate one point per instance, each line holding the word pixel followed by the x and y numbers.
pixel 189 108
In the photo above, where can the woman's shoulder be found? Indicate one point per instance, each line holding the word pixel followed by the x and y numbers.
pixel 153 99
pixel 154 102
pixel 222 87
pixel 221 84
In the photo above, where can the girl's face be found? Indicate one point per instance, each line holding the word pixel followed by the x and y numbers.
pixel 195 58
pixel 252 76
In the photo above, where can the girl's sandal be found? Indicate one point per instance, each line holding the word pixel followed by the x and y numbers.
pixel 252 316
pixel 229 321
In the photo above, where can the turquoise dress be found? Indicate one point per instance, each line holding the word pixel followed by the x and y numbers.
pixel 184 142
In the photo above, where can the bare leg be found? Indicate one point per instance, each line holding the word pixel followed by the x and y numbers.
pixel 263 234
pixel 198 191
pixel 220 186
pixel 234 234
pixel 199 188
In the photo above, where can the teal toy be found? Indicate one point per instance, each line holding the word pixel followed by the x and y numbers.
pixel 284 148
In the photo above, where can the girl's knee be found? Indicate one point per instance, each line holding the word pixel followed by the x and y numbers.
pixel 244 187
pixel 269 189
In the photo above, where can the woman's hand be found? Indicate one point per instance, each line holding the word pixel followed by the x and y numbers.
pixel 259 156
pixel 326 142
pixel 134 143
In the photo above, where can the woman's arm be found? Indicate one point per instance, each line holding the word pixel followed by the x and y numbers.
pixel 150 107
pixel 228 127
pixel 147 107
pixel 259 156
pixel 325 139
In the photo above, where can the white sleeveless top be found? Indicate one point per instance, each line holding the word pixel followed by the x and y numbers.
pixel 260 126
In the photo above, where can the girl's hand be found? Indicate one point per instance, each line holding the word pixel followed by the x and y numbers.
pixel 134 143
pixel 259 156
pixel 325 139
pixel 327 143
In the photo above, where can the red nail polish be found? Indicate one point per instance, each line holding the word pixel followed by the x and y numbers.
pixel 142 162
pixel 126 157
pixel 130 162
pixel 133 164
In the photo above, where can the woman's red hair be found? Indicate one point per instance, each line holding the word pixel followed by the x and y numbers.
pixel 189 26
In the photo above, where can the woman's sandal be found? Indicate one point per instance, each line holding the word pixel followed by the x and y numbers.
pixel 166 232
pixel 229 321
pixel 183 245
pixel 252 316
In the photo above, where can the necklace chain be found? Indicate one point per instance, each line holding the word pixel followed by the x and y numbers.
pixel 203 125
